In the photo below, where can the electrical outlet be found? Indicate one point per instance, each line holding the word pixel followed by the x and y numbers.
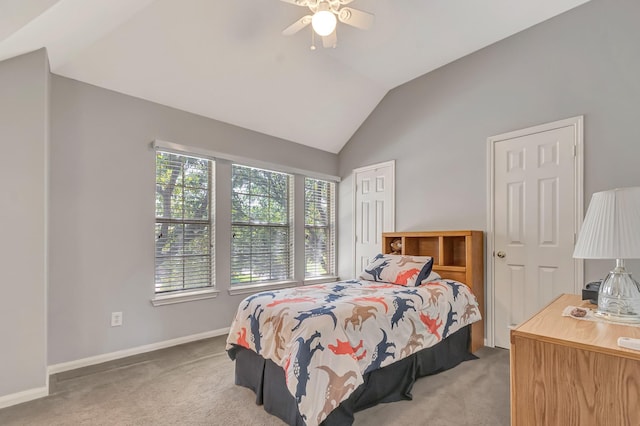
pixel 116 319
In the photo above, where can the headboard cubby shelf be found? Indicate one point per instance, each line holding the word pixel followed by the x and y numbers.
pixel 457 255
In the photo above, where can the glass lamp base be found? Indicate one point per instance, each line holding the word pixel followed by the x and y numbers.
pixel 618 318
pixel 619 296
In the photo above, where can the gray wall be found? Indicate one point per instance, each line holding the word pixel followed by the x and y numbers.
pixel 584 62
pixel 102 216
pixel 24 133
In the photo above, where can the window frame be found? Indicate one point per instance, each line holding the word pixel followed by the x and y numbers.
pixel 250 285
pixel 204 291
pixel 221 203
pixel 330 227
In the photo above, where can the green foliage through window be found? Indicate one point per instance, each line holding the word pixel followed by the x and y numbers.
pixel 184 232
pixel 261 225
pixel 319 224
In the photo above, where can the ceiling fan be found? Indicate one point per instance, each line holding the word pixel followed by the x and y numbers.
pixel 325 15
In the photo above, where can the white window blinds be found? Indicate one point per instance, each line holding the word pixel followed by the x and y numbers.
pixel 319 228
pixel 184 223
pixel 261 216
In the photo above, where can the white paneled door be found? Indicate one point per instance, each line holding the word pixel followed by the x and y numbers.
pixel 374 210
pixel 536 188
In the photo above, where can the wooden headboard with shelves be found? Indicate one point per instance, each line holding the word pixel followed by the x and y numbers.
pixel 457 255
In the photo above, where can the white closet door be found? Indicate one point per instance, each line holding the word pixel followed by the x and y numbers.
pixel 535 187
pixel 374 210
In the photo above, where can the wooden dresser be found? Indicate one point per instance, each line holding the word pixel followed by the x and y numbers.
pixel 566 371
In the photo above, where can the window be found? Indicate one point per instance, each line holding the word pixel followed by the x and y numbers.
pixel 319 228
pixel 261 216
pixel 184 226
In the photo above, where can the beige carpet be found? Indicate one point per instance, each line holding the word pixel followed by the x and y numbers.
pixel 192 384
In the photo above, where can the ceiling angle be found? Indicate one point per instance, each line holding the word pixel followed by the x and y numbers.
pixel 324 17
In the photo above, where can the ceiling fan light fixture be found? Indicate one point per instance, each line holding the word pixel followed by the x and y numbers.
pixel 323 21
pixel 324 18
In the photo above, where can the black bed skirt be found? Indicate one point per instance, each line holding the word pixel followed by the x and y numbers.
pixel 391 383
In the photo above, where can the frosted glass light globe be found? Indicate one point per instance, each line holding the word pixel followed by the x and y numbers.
pixel 323 22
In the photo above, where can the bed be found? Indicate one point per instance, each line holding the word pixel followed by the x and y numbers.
pixel 316 354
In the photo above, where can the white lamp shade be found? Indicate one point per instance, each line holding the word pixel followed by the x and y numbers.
pixel 323 21
pixel 611 228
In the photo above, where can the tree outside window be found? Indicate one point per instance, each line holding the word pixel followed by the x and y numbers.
pixel 319 226
pixel 261 225
pixel 184 230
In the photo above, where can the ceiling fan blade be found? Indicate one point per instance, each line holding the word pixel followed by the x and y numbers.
pixel 296 2
pixel 297 26
pixel 356 18
pixel 331 40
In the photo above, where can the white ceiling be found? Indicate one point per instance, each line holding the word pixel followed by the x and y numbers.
pixel 227 60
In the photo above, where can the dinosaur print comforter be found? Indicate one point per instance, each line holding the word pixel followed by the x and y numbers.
pixel 326 337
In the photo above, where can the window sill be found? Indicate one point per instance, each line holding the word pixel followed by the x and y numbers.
pixel 256 288
pixel 184 296
pixel 321 280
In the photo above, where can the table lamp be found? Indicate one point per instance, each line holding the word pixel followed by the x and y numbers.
pixel 611 230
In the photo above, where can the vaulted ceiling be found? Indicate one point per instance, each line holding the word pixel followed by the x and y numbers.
pixel 227 59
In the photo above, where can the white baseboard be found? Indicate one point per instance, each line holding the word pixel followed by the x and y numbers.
pixel 98 359
pixel 24 396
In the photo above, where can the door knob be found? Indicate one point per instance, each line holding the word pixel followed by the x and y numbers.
pixel 502 254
